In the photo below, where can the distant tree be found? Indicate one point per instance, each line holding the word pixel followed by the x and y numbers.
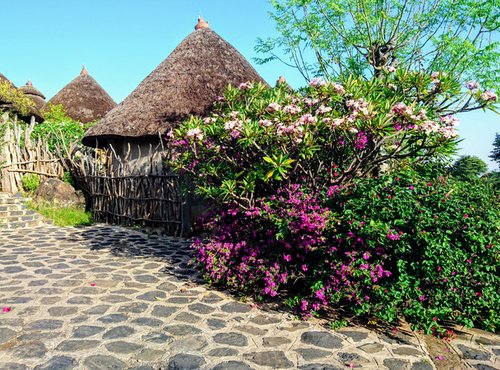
pixel 451 39
pixel 468 167
pixel 495 153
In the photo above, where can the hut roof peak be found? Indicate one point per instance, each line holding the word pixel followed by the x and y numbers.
pixel 29 83
pixel 201 24
pixel 84 72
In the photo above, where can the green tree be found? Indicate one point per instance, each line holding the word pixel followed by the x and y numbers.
pixel 495 153
pixel 450 39
pixel 468 167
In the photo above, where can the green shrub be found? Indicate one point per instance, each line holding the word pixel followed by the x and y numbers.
pixel 30 182
pixel 64 216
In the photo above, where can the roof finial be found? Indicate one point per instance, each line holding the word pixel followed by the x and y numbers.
pixel 201 24
pixel 281 80
pixel 29 83
pixel 84 72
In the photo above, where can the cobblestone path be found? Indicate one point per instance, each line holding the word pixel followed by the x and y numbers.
pixel 106 297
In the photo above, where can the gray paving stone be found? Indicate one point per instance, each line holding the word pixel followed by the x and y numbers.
pixel 231 339
pixel 235 307
pixel 275 341
pixel 188 344
pixel 58 363
pixel 38 336
pixel 222 352
pixel 182 329
pixel 150 355
pixel 113 318
pixel 147 321
pixel 136 307
pixel 180 300
pixel 62 311
pixel 163 311
pixel 320 367
pixel 77 345
pixel 321 339
pixel 45 325
pixel 150 279
pixel 157 337
pixel 82 300
pixel 274 359
pixel 356 336
pixel 484 367
pixel 396 364
pixel 473 353
pixel 251 330
pixel 86 331
pixel 232 365
pixel 33 349
pixel 119 332
pixel 122 347
pixel 6 334
pixel 112 298
pixel 201 308
pixel 152 296
pixel 264 320
pixel 187 317
pixel 101 362
pixel 216 323
pixel 212 298
pixel 13 366
pixel 371 347
pixel 407 351
pixel 310 354
pixel 185 362
pixel 422 365
pixel 97 310
pixel 487 341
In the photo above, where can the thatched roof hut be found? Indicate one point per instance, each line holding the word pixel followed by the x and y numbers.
pixel 84 99
pixel 35 96
pixel 187 82
pixel 5 79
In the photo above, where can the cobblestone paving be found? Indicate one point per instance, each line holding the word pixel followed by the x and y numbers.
pixel 106 297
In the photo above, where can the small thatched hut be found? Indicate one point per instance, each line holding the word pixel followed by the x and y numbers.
pixel 35 96
pixel 13 93
pixel 187 82
pixel 84 99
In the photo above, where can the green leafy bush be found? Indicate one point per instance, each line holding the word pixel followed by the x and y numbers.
pixel 30 182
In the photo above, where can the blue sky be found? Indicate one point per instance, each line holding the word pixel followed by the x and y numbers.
pixel 122 41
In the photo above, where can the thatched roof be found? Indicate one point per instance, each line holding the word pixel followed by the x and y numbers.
pixel 35 95
pixel 187 82
pixel 5 79
pixel 84 99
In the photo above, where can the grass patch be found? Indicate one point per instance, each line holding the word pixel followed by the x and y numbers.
pixel 63 216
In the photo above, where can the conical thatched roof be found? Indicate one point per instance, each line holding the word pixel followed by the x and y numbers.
pixel 5 79
pixel 35 95
pixel 84 99
pixel 187 82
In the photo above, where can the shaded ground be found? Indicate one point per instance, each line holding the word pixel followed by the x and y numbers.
pixel 106 297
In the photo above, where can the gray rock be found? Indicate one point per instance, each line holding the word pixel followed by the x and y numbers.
pixel 235 307
pixel 187 317
pixel 212 298
pixel 185 362
pixel 274 359
pixel 113 318
pixel 310 354
pixel 231 339
pixel 321 339
pixel 152 296
pixel 223 352
pixel 156 337
pixel 119 332
pixel 112 298
pixel 77 345
pixel 487 341
pixel 407 351
pixel 150 355
pixel 97 310
pixel 474 354
pixel 100 362
pixel 216 323
pixel 264 320
pixel 13 366
pixel 122 347
pixel 167 287
pixel 86 331
pixel 356 336
pixel 182 330
pixel 485 367
pixel 30 350
pixel 146 279
pixel 136 307
pixel 422 365
pixel 58 363
pixel 147 321
pixel 188 344
pixel 163 311
pixel 6 334
pixel 55 191
pixel 251 330
pixel 395 364
pixel 319 367
pixel 232 365
pixel 275 341
pixel 180 300
pixel 45 325
pixel 371 347
pixel 80 300
pixel 62 311
pixel 201 308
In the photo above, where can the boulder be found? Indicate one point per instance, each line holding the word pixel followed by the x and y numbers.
pixel 58 192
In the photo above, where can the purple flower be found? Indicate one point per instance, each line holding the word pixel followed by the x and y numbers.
pixel 421 298
pixel 472 85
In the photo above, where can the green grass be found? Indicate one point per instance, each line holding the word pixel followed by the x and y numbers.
pixel 63 216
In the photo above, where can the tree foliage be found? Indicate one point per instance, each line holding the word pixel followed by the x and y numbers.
pixel 12 98
pixel 335 38
pixel 469 167
pixel 495 153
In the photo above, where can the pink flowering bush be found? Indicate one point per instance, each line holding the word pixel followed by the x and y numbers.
pixel 259 138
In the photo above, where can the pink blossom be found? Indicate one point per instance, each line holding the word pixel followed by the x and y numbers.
pixel 6 309
pixel 245 86
pixel 317 81
pixel 273 107
pixel 265 122
pixel 391 69
pixel 287 257
pixel 421 298
pixel 472 85
pixel 489 95
pixel 292 109
pixel 93 284
pixel 195 133
pixel 338 88
pixel 322 109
